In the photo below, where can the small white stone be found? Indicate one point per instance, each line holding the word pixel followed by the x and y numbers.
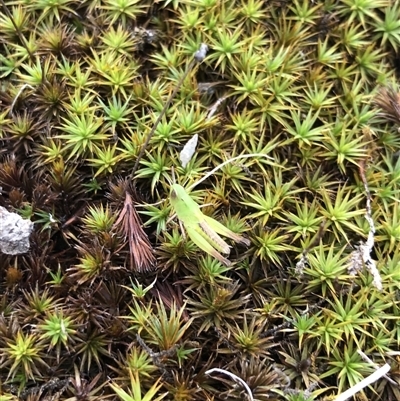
pixel 200 55
pixel 14 233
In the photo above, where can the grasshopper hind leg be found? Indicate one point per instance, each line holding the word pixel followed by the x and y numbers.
pixel 203 244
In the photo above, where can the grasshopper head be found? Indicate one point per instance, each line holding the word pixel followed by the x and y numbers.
pixel 173 194
pixel 177 191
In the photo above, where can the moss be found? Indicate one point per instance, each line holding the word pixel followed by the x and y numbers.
pixel 97 100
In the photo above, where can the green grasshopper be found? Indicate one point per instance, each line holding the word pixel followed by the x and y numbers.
pixel 201 229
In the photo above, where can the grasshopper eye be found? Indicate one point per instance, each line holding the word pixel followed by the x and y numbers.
pixel 173 194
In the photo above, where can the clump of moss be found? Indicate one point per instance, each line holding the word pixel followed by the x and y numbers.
pixel 113 300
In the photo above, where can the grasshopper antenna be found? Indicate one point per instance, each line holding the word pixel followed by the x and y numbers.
pixel 198 57
pixel 225 163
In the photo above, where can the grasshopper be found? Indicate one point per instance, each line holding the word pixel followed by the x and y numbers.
pixel 203 230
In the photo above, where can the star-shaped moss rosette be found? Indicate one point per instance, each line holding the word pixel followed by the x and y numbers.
pixel 113 300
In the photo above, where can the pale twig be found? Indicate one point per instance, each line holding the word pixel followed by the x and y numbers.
pixel 18 94
pixel 362 253
pixel 237 379
pixel 376 366
pixel 214 107
pixel 364 383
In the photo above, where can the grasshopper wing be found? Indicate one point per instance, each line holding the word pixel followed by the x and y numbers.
pixel 221 229
pixel 203 243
